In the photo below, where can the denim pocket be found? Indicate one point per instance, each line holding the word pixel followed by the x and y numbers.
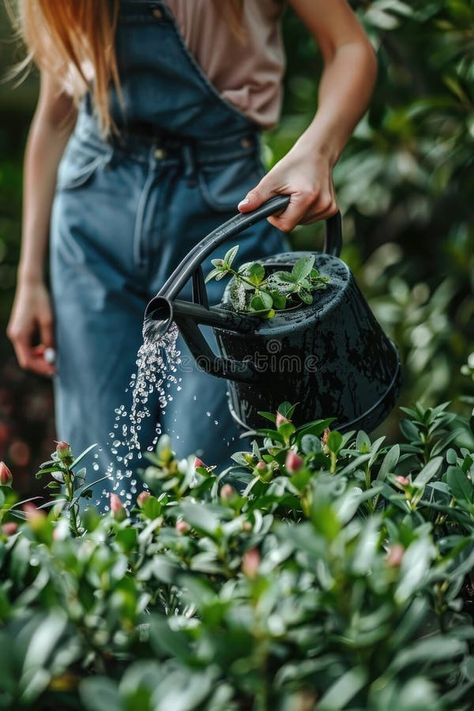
pixel 224 184
pixel 79 163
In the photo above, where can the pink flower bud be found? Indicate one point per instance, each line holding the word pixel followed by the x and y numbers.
pixel 251 563
pixel 261 467
pixel 10 528
pixel 293 462
pixel 116 508
pixel 281 420
pixel 142 497
pixel 402 481
pixel 227 492
pixel 182 526
pixel 395 555
pixel 246 526
pixel 325 436
pixel 63 450
pixel 198 463
pixel 6 477
pixel 62 446
pixel 33 514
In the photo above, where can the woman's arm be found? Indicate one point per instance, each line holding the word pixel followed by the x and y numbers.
pixel 346 85
pixel 31 323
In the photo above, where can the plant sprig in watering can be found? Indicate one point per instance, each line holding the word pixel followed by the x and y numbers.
pixel 254 291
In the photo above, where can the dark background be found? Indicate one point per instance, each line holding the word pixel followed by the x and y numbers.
pixel 404 184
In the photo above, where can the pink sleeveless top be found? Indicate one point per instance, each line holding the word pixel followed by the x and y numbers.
pixel 246 70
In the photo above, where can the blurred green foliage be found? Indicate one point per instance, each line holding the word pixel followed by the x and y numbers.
pixel 404 184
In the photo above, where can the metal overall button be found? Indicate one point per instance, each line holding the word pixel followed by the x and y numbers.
pixel 157 13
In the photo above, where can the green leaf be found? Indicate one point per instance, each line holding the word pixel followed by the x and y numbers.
pixel 461 487
pixel 433 649
pixel 305 296
pixel 173 642
pixel 201 517
pixel 152 507
pixel 363 442
pixel 343 690
pixel 286 409
pixel 335 441
pixel 213 274
pixel 230 255
pixel 82 455
pixel 261 301
pixel 415 567
pixel 127 539
pixel 43 642
pixel 310 444
pixel 429 471
pixel 267 415
pixel 302 268
pixel 256 273
pixel 100 694
pixel 389 462
pixel 279 300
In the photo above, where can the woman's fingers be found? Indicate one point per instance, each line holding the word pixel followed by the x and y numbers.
pixel 307 204
pixel 32 320
pixel 31 357
pixel 304 209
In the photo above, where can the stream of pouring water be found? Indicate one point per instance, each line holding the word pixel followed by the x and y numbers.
pixel 153 384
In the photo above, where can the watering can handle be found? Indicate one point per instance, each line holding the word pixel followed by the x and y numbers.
pixel 231 228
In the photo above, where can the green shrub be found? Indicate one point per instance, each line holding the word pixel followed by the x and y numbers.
pixel 319 569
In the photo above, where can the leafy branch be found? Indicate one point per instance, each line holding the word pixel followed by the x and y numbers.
pixel 252 290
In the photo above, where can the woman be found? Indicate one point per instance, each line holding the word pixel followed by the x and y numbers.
pixel 172 98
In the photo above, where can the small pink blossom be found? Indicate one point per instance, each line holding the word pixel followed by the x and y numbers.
pixel 63 450
pixel 198 463
pixel 395 555
pixel 281 420
pixel 402 481
pixel 116 507
pixel 6 477
pixel 261 467
pixel 293 462
pixel 142 497
pixel 227 492
pixel 10 528
pixel 251 562
pixel 33 514
pixel 182 526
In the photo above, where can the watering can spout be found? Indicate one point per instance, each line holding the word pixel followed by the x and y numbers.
pixel 158 318
pixel 161 313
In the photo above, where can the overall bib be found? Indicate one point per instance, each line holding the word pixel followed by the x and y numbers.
pixel 126 211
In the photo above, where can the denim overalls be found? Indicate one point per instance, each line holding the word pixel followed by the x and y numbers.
pixel 126 211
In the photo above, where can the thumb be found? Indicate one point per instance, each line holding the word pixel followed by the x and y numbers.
pixel 255 198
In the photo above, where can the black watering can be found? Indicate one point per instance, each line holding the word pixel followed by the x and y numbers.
pixel 330 357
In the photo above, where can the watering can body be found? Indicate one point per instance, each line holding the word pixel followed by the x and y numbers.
pixel 331 357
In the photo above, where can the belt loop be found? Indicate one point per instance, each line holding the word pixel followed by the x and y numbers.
pixel 189 160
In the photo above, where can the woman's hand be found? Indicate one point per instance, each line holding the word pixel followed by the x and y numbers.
pixel 32 317
pixel 305 175
pixel 347 81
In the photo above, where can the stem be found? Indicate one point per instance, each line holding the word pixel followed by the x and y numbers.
pixel 68 481
pixel 246 281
